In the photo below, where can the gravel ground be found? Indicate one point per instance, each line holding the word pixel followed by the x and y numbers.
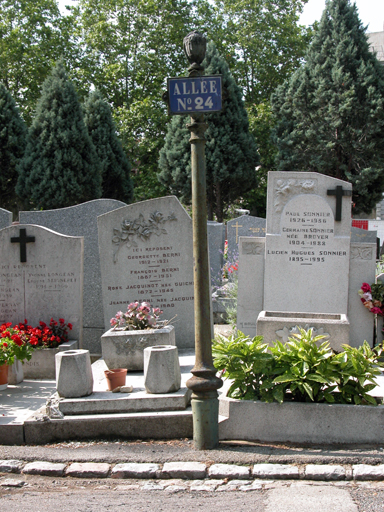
pixel 368 499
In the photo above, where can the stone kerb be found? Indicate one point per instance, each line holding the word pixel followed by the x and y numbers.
pixel 146 255
pixel 81 220
pixel 300 422
pixel 49 283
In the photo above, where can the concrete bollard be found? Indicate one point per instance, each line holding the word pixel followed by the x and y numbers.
pixel 73 373
pixel 161 369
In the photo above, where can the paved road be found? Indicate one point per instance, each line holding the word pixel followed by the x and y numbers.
pixel 39 494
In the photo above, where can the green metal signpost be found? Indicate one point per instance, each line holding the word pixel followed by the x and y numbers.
pixel 200 94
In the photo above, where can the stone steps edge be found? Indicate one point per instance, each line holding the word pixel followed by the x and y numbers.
pixel 195 471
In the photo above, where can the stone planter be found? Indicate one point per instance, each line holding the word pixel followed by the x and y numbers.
pixel 42 363
pixel 249 420
pixel 125 349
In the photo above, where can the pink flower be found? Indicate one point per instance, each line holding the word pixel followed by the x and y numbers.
pixel 366 288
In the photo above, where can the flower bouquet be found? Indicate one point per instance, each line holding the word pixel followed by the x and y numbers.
pixel 138 316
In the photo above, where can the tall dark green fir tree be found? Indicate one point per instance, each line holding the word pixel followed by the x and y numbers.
pixel 330 115
pixel 60 165
pixel 231 152
pixel 115 168
pixel 13 133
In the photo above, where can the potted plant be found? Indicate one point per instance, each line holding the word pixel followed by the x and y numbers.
pixel 14 344
pixel 139 327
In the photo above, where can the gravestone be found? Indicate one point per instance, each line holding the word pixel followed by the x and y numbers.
pixel 246 225
pixel 146 255
pixel 81 220
pixel 41 276
pixel 5 218
pixel 306 263
pixel 216 240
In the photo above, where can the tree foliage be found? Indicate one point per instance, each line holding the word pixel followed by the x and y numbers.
pixel 115 168
pixel 60 166
pixel 127 48
pixel 231 153
pixel 31 40
pixel 13 133
pixel 262 42
pixel 330 115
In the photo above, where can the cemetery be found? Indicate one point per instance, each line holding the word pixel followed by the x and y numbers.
pixel 304 270
pixel 122 259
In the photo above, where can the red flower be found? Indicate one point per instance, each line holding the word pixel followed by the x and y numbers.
pixel 16 338
pixel 70 327
pixel 366 288
pixel 5 344
pixel 6 334
pixel 61 320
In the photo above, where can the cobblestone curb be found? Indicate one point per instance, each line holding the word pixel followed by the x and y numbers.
pixel 204 476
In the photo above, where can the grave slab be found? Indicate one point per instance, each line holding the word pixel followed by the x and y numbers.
pixel 81 220
pixel 41 277
pixel 104 402
pixel 246 225
pixel 250 284
pixel 146 255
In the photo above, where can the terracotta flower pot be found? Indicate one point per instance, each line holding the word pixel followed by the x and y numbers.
pixel 115 377
pixel 3 377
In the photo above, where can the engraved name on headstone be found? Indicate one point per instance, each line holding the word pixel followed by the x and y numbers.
pixel 48 283
pixel 146 255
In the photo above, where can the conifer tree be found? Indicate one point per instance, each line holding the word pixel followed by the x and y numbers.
pixel 13 134
pixel 330 115
pixel 115 168
pixel 231 153
pixel 60 165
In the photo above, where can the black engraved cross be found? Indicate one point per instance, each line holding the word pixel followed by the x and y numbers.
pixel 339 193
pixel 23 240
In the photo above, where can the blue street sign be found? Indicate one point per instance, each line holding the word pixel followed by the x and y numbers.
pixel 198 94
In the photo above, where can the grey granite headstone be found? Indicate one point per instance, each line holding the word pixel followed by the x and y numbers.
pixel 41 277
pixel 5 218
pixel 216 240
pixel 81 220
pixel 363 236
pixel 246 225
pixel 146 254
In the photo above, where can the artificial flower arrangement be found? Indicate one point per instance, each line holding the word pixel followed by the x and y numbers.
pixel 372 296
pixel 139 315
pixel 19 341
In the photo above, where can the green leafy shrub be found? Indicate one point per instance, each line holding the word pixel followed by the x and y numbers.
pixel 244 361
pixel 303 370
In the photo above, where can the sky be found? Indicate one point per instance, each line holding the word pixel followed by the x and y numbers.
pixel 371 12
